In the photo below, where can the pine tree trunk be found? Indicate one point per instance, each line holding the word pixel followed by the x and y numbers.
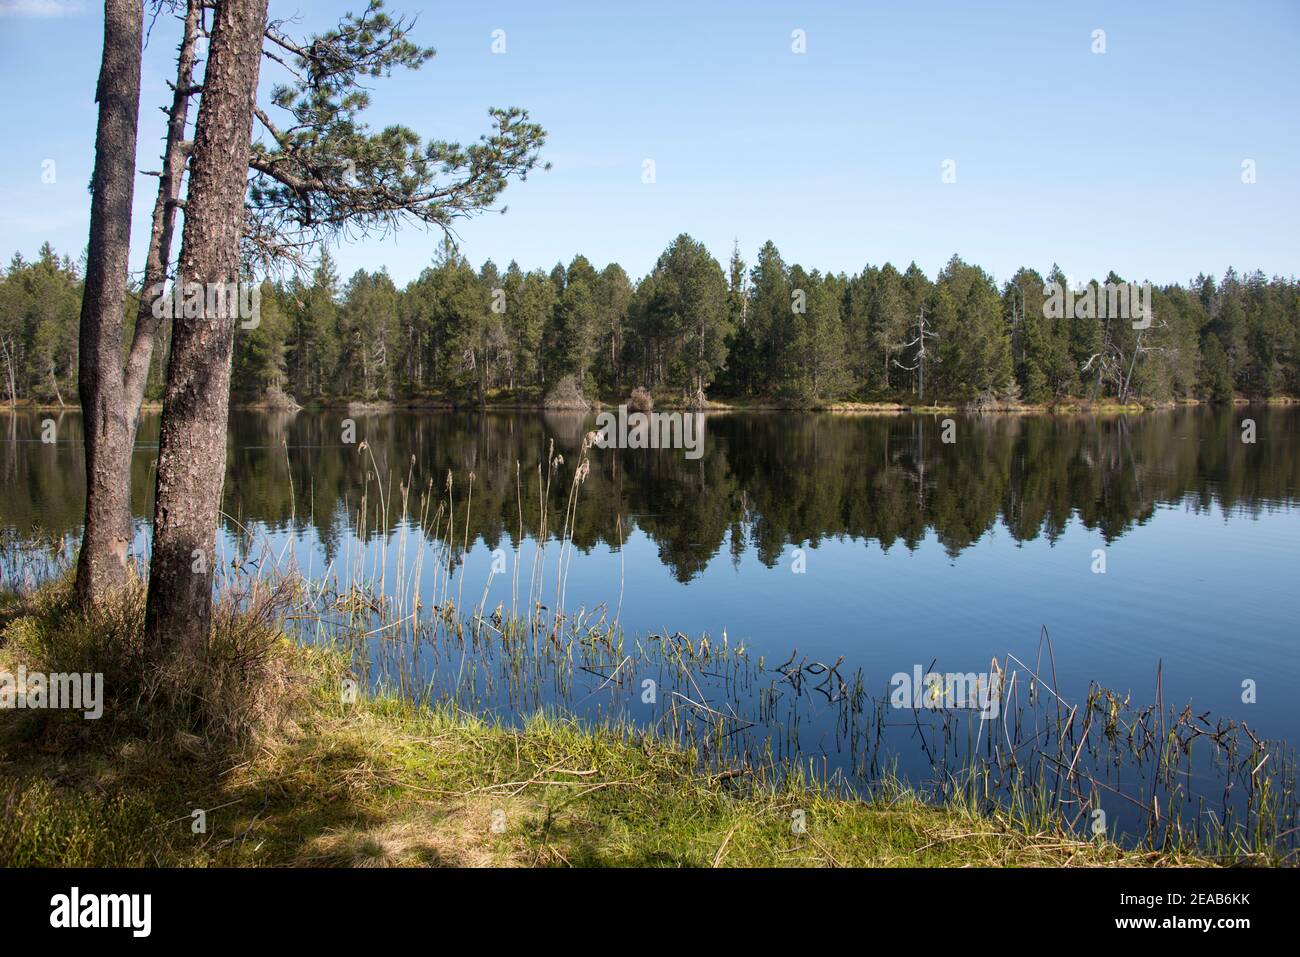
pixel 192 444
pixel 102 563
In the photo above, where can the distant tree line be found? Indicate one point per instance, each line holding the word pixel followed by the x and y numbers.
pixel 40 303
pixel 690 327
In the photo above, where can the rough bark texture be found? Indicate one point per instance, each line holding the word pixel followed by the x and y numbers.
pixel 101 565
pixel 192 446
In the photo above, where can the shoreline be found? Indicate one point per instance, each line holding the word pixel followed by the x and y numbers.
pixel 383 783
pixel 386 406
pixel 362 779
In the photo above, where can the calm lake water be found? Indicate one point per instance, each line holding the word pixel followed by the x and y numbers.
pixel 817 536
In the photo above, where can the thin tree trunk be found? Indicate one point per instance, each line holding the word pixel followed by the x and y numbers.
pixel 365 370
pixel 9 364
pixel 1128 380
pixel 175 156
pixel 54 381
pixel 102 563
pixel 192 444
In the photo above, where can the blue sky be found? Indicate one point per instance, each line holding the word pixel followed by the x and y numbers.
pixel 1128 160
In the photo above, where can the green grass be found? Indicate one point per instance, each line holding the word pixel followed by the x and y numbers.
pixel 381 782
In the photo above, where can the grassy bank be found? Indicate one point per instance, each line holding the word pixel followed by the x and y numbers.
pixel 317 780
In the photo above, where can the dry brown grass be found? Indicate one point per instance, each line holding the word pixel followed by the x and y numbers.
pixel 566 395
pixel 451 832
pixel 243 689
pixel 641 400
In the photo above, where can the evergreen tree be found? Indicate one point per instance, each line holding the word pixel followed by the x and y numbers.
pixel 772 331
pixel 890 318
pixel 772 309
pixel 613 297
pixel 817 348
pixel 573 338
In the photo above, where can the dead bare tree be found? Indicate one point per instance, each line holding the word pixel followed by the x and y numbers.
pixel 166 205
pixel 1116 366
pixel 923 335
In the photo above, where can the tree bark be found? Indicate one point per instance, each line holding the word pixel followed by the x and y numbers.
pixel 102 563
pixel 192 445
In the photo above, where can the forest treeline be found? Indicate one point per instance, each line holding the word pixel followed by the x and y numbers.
pixel 768 331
